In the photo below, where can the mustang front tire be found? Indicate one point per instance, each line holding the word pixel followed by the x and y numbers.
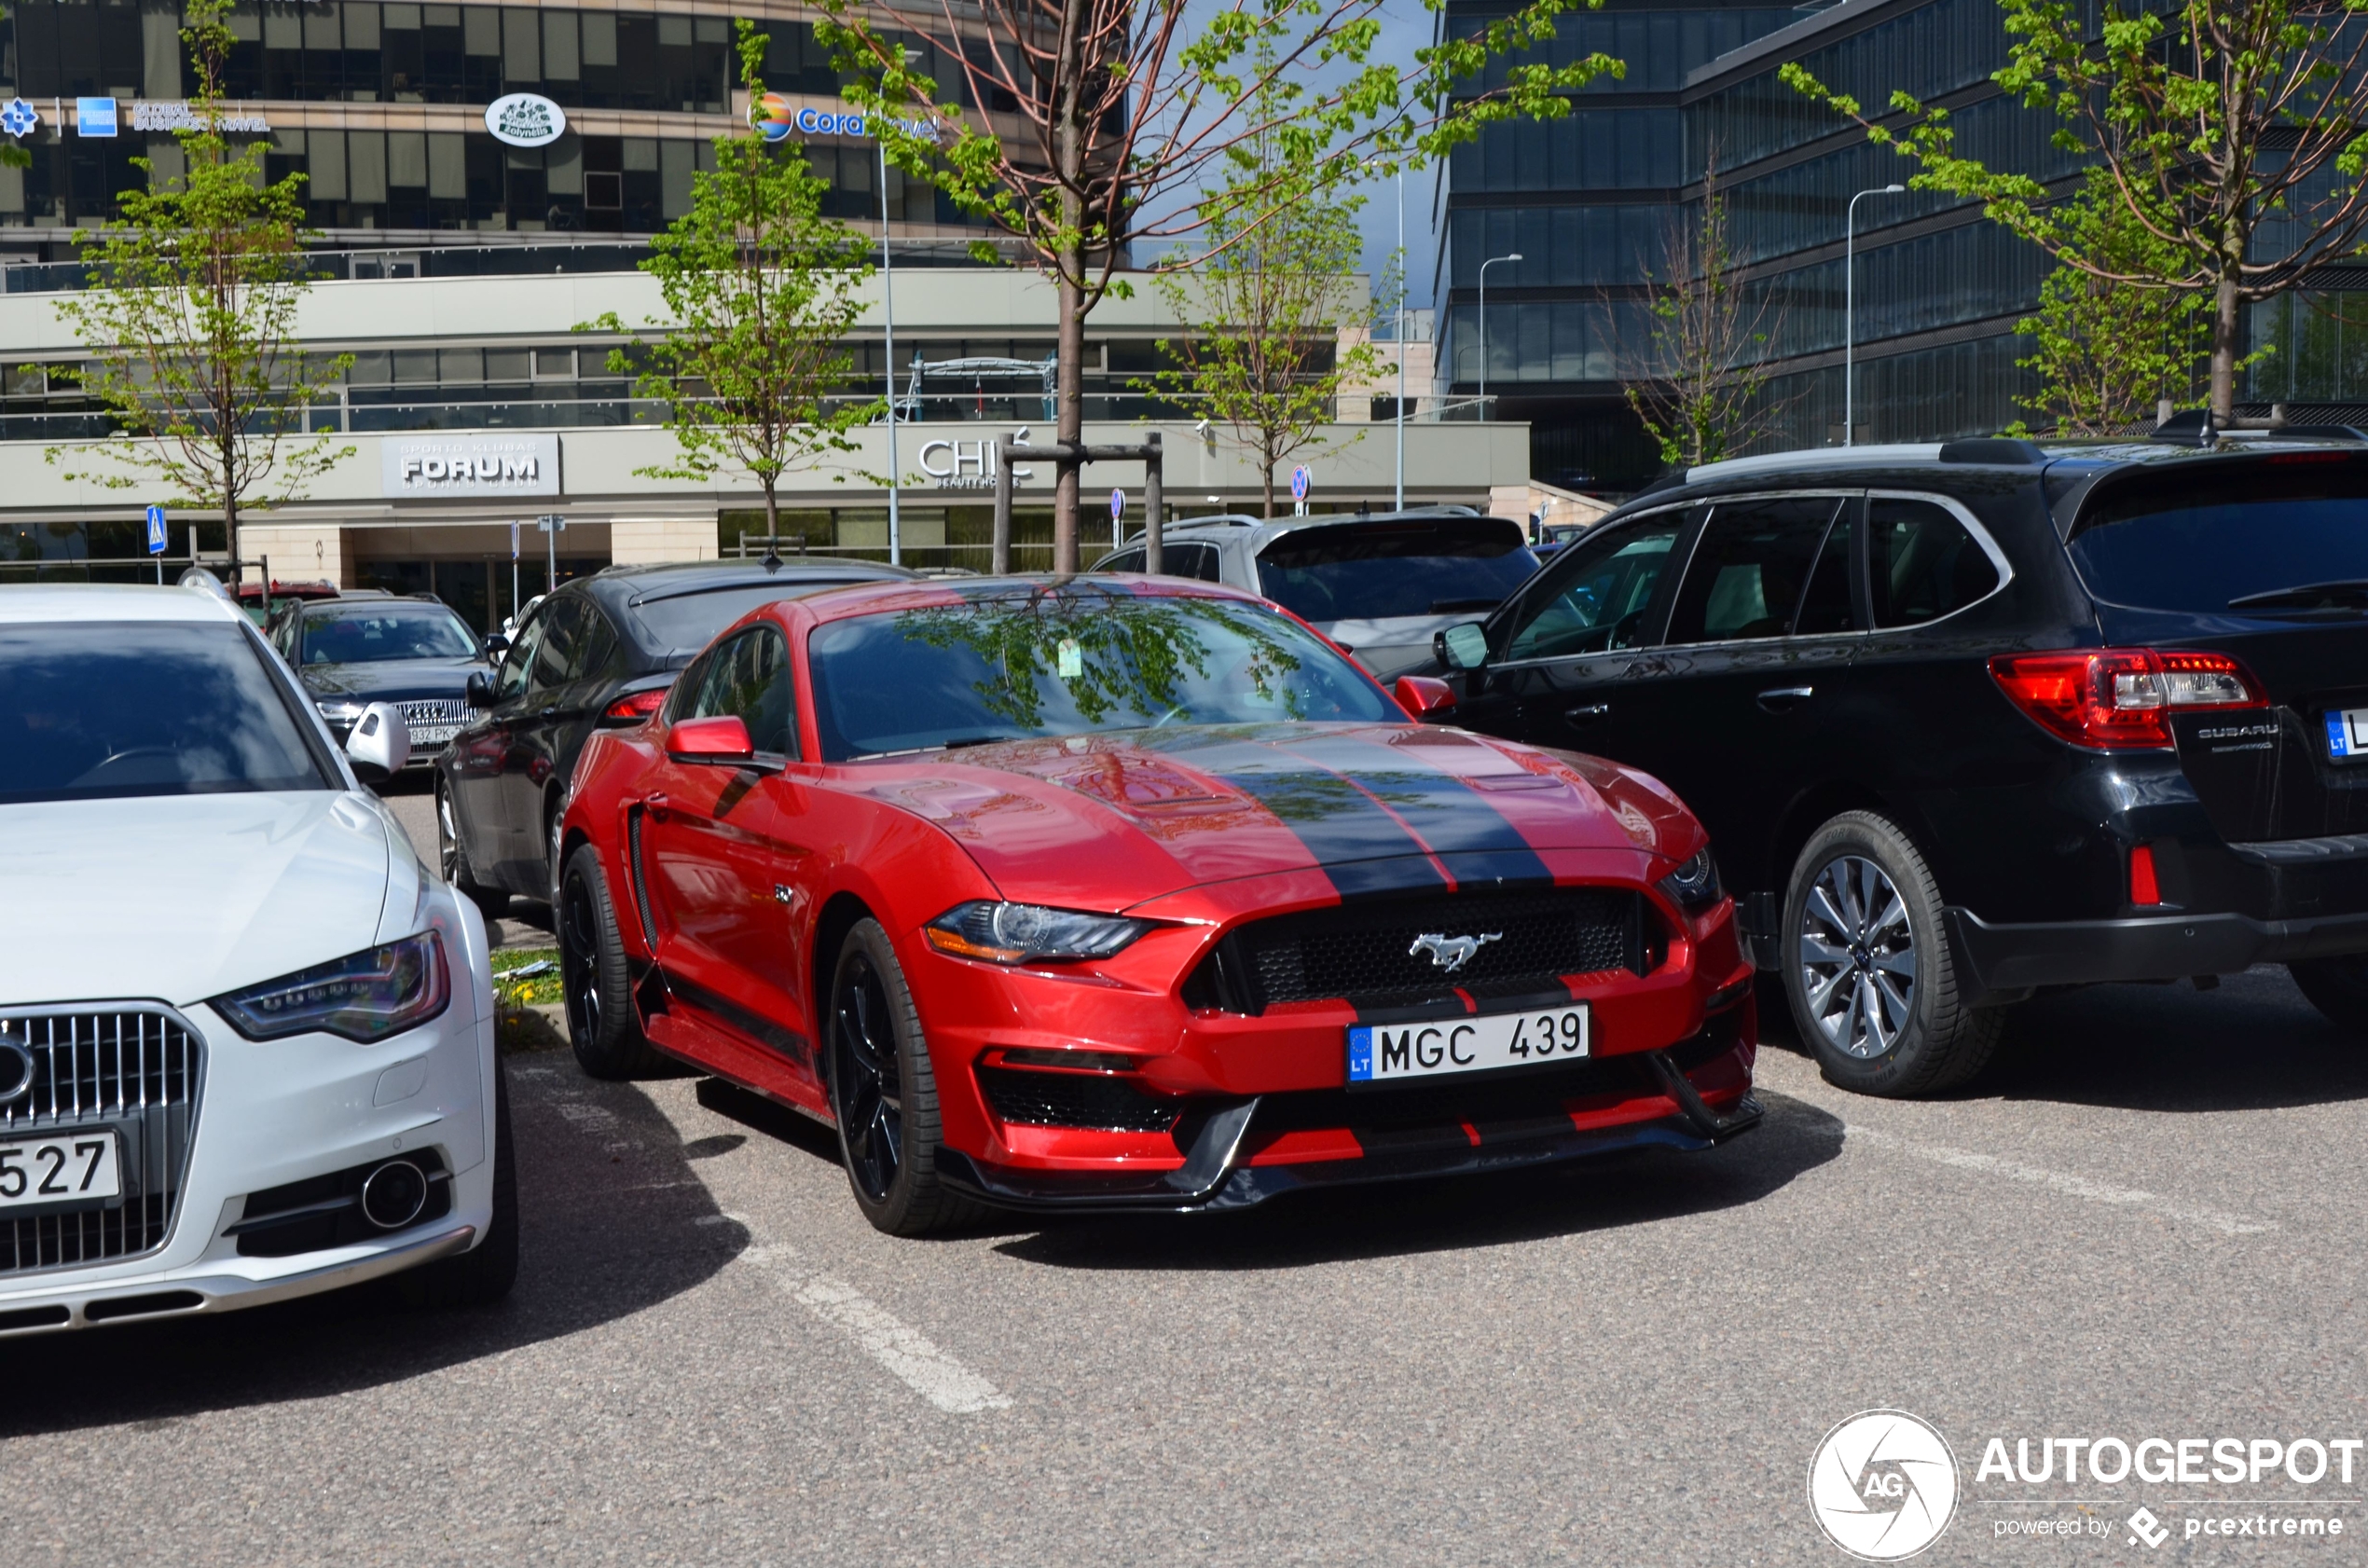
pixel 594 978
pixel 883 1092
pixel 1868 969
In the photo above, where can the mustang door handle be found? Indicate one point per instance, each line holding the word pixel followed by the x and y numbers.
pixel 1783 697
pixel 656 804
pixel 1588 714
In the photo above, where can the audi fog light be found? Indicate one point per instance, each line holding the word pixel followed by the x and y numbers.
pixel 363 996
pixel 1018 933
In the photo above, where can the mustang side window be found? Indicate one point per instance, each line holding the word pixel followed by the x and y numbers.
pixel 1747 573
pixel 749 680
pixel 1921 563
pixel 1595 593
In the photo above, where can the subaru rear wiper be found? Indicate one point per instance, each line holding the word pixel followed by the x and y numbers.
pixel 2343 593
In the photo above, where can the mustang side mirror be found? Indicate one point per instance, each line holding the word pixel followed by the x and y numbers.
pixel 1425 696
pixel 481 690
pixel 721 739
pixel 380 744
pixel 1461 646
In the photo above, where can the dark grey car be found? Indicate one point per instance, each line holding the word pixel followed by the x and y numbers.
pixel 603 650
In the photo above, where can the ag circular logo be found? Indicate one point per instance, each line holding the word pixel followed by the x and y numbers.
pixel 1884 1485
pixel 770 114
pixel 525 119
pixel 16 1069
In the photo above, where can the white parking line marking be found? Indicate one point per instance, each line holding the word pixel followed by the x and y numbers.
pixel 2063 1181
pixel 880 1334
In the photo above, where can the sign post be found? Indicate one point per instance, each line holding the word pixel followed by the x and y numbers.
pixel 513 576
pixel 1300 480
pixel 551 527
pixel 1118 512
pixel 155 540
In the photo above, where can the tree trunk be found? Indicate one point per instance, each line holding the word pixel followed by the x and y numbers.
pixel 772 520
pixel 230 519
pixel 1267 459
pixel 1069 408
pixel 2225 323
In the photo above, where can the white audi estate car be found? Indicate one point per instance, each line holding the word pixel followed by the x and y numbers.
pixel 246 1038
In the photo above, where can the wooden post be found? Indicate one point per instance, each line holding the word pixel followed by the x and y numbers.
pixel 1003 561
pixel 1154 503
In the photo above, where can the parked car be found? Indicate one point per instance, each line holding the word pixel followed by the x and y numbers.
pixel 1973 720
pixel 1082 894
pixel 367 646
pixel 260 610
pixel 600 651
pixel 247 1039
pixel 1378 585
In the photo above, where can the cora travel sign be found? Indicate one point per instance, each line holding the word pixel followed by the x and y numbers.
pixel 772 114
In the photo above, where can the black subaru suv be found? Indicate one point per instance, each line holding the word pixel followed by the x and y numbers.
pixel 602 650
pixel 1970 721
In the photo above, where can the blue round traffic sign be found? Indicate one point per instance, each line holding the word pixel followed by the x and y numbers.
pixel 1300 479
pixel 1117 503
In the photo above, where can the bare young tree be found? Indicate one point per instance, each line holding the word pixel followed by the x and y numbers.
pixel 1701 393
pixel 2212 120
pixel 1086 128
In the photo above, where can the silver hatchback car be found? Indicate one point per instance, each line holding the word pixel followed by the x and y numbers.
pixel 1378 585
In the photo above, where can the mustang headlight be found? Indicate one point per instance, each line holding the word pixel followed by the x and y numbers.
pixel 365 997
pixel 1019 933
pixel 1694 886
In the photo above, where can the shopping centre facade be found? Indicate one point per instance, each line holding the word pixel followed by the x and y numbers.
pixel 457 270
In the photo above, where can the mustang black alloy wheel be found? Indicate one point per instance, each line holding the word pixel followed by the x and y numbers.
pixel 595 978
pixel 1867 969
pixel 454 857
pixel 883 1092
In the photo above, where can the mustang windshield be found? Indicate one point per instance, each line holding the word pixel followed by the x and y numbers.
pixel 1072 664
pixel 91 710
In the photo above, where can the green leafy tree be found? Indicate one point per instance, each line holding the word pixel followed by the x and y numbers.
pixel 191 319
pixel 1703 395
pixel 1277 322
pixel 761 291
pixel 2209 120
pixel 1107 127
pixel 2106 351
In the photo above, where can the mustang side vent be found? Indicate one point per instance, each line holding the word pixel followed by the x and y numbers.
pixel 635 872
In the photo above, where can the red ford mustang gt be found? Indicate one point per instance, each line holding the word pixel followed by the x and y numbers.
pixel 1133 893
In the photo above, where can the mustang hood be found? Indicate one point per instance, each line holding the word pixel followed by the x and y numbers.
pixel 184 897
pixel 1110 821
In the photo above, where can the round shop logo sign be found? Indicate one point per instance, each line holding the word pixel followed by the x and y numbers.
pixel 525 119
pixel 1884 1485
pixel 770 114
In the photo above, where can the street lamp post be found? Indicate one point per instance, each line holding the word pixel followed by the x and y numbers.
pixel 1514 256
pixel 887 305
pixel 1400 503
pixel 1850 306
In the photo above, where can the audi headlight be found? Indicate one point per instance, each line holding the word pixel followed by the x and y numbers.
pixel 1019 933
pixel 365 997
pixel 340 712
pixel 1694 886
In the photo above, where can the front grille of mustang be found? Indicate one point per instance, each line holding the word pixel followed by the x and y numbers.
pixel 434 710
pixel 135 1069
pixel 1075 1100
pixel 1364 953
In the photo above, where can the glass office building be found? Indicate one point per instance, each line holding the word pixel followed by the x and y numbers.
pixel 1938 287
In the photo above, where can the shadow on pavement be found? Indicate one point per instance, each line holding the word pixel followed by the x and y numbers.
pixel 2251 1043
pixel 602 1177
pixel 1456 1213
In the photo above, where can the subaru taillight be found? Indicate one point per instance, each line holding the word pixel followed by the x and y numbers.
pixel 2120 698
pixel 634 706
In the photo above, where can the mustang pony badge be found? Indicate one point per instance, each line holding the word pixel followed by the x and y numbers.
pixel 1452 953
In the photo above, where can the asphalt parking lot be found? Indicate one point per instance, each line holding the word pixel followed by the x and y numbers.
pixel 2145 1218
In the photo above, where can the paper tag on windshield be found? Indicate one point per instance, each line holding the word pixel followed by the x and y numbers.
pixel 1072 663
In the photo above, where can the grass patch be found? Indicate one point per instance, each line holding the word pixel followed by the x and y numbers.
pixel 534 990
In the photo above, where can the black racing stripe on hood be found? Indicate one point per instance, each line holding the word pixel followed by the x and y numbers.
pixel 1360 847
pixel 1448 815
